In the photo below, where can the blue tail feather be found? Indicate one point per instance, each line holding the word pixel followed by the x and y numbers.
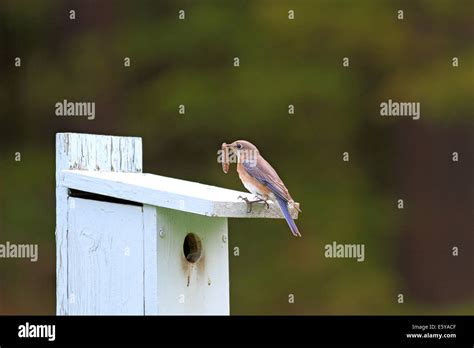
pixel 284 209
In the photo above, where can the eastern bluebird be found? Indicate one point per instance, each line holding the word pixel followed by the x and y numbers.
pixel 259 177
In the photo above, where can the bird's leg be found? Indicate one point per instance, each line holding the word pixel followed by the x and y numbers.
pixel 262 199
pixel 249 202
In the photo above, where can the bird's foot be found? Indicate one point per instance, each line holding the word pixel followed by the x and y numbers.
pixel 261 199
pixel 249 203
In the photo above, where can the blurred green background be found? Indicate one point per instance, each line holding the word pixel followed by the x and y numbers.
pixel 282 62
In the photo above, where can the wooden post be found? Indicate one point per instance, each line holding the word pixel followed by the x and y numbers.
pixel 133 243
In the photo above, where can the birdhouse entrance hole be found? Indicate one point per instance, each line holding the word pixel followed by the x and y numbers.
pixel 192 247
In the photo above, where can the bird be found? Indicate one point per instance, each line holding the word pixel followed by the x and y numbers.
pixel 259 178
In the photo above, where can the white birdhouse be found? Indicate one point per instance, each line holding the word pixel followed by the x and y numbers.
pixel 135 243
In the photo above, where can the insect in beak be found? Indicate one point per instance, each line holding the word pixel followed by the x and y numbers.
pixel 225 157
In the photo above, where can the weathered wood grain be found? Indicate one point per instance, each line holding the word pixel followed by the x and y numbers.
pixel 92 153
pixel 105 258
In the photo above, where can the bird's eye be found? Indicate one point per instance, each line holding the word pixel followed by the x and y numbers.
pixel 239 146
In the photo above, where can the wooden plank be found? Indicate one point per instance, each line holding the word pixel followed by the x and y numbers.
pixel 170 193
pixel 86 152
pixel 100 152
pixel 150 230
pixel 186 288
pixel 105 258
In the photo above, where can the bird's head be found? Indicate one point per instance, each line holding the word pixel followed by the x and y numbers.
pixel 244 150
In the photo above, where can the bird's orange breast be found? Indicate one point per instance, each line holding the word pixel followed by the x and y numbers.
pixel 250 183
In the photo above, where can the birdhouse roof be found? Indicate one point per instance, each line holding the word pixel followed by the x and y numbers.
pixel 169 193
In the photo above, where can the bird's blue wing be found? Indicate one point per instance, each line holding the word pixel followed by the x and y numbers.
pixel 264 173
